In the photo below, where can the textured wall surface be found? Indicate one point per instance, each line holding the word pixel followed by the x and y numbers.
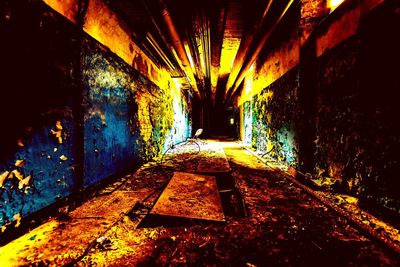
pixel 342 107
pixel 38 137
pixel 110 145
pixel 127 118
pixel 275 116
pixel 357 136
pixel 339 142
pixel 247 122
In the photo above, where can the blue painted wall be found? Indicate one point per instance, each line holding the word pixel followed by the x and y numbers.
pixel 49 77
pixel 38 59
pixel 110 144
pixel 128 119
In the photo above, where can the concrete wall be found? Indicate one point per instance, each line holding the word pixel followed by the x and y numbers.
pixel 270 95
pixel 127 117
pixel 38 110
pixel 333 111
pixel 73 112
pixel 356 133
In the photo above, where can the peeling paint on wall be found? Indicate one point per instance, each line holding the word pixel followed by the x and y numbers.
pixel 37 116
pixel 247 122
pixel 356 142
pixel 41 181
pixel 338 141
pixel 103 24
pixel 40 149
pixel 128 118
pixel 275 115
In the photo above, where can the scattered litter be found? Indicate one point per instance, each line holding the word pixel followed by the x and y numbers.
pixel 152 234
pixel 104 243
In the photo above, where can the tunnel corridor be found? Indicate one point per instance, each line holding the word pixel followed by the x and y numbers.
pixel 199 133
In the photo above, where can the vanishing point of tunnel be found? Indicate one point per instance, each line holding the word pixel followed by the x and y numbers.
pixel 199 133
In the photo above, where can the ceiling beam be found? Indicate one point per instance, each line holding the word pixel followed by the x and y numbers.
pixel 217 33
pixel 179 48
pixel 244 48
pixel 251 58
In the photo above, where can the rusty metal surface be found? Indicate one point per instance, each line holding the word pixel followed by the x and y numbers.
pixel 191 196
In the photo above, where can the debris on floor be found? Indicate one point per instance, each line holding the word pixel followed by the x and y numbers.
pixel 283 226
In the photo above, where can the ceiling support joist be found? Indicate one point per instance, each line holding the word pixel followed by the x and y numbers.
pixel 217 35
pixel 202 30
pixel 244 46
pixel 179 48
pixel 250 59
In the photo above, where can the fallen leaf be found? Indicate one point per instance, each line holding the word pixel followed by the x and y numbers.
pixel 351 200
pixel 63 157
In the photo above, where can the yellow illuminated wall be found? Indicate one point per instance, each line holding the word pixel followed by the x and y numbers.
pixel 277 64
pixel 103 25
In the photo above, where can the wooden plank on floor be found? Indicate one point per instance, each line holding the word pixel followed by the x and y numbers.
pixel 190 195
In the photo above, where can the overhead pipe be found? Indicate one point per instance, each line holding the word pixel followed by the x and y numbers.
pixel 218 37
pixel 170 64
pixel 203 29
pixel 250 60
pixel 179 48
pixel 244 46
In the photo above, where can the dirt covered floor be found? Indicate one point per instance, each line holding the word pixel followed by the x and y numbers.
pixel 268 222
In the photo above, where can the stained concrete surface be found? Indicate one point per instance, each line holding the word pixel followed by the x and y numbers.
pixel 283 227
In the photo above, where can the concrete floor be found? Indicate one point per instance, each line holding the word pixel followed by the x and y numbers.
pixel 268 222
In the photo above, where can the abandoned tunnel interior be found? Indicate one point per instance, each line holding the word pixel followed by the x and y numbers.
pixel 199 133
